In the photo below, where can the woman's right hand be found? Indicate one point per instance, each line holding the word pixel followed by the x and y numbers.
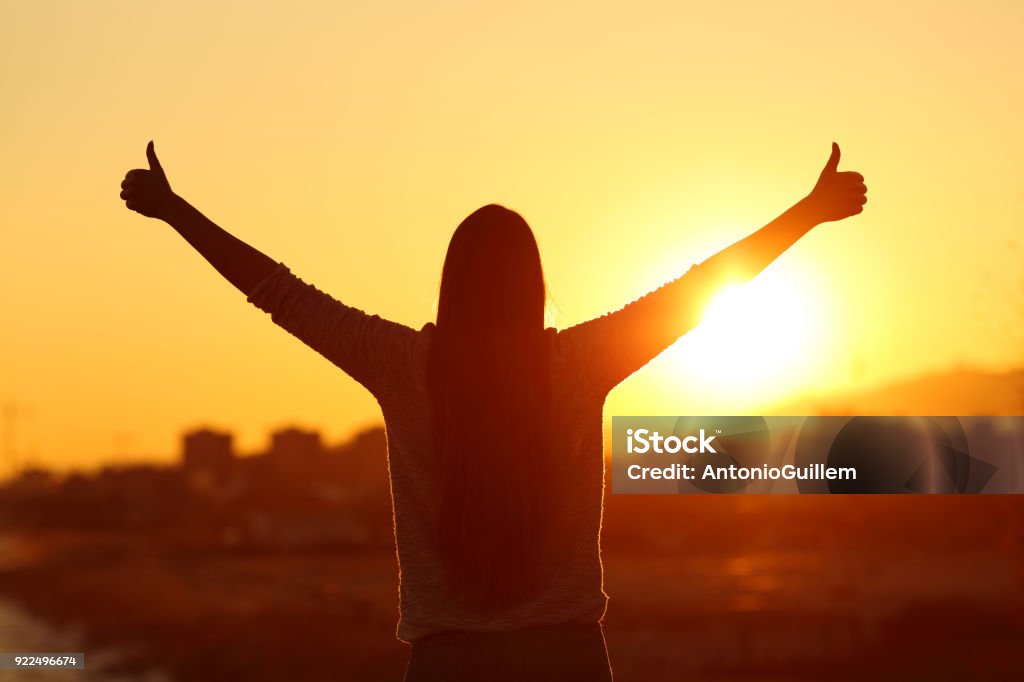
pixel 147 191
pixel 838 194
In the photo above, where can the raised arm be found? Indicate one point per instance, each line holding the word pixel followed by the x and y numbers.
pixel 375 352
pixel 612 347
pixel 148 192
pixel 835 196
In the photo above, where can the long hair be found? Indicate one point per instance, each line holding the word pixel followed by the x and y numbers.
pixel 490 393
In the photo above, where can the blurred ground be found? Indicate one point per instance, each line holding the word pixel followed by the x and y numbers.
pixel 702 588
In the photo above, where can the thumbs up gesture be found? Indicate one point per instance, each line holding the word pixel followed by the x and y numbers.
pixel 147 191
pixel 838 194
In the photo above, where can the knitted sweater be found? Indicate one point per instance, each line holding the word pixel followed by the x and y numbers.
pixel 587 361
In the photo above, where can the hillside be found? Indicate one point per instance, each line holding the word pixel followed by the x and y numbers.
pixel 959 392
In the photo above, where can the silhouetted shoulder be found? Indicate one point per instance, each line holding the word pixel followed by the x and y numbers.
pixel 376 352
pixel 604 351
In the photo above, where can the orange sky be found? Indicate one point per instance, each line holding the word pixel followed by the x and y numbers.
pixel 636 138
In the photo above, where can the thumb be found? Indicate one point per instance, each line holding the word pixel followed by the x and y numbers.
pixel 154 163
pixel 833 160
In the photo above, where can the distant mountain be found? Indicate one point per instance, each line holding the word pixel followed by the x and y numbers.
pixel 958 392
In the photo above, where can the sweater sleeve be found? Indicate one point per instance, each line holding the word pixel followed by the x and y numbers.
pixel 375 352
pixel 606 350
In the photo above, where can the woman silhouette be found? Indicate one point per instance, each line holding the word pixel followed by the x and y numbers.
pixel 494 423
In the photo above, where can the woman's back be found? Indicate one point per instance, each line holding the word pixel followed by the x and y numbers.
pixel 570 585
pixel 392 361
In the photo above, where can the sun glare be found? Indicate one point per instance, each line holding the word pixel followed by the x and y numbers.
pixel 755 342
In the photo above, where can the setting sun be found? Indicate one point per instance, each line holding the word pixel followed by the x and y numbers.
pixel 756 342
